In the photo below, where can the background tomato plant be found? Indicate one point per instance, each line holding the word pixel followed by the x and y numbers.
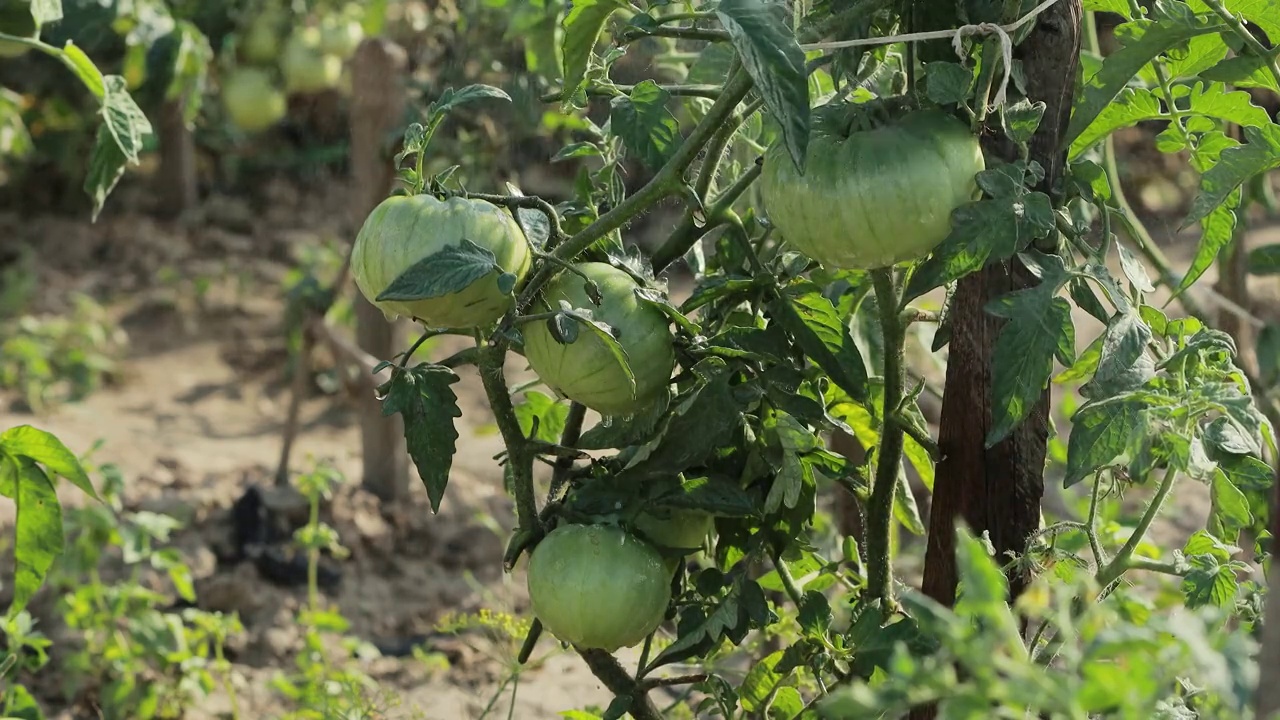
pixel 797 382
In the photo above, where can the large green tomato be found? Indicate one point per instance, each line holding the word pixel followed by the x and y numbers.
pixel 252 99
pixel 16 19
pixel 403 230
pixel 585 370
pixel 597 586
pixel 340 35
pixel 306 68
pixel 875 197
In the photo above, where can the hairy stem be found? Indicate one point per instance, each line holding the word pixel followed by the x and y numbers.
pixel 519 457
pixel 1124 557
pixel 659 187
pixel 615 677
pixel 889 454
pixel 788 582
pixel 1273 64
pixel 569 438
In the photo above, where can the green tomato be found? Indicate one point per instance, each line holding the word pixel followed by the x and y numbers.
pixel 306 68
pixel 597 586
pixel 252 100
pixel 585 370
pixel 403 230
pixel 876 197
pixel 678 529
pixel 261 42
pixel 16 19
pixel 340 36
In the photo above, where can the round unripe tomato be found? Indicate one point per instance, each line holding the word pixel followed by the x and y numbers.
pixel 261 42
pixel 597 586
pixel 876 197
pixel 252 100
pixel 586 370
pixel 403 230
pixel 16 19
pixel 306 69
pixel 340 36
pixel 678 529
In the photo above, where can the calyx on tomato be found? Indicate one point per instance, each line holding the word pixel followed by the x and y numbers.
pixel 872 195
pixel 252 100
pixel 597 586
pixel 16 19
pixel 306 68
pixel 586 370
pixel 402 231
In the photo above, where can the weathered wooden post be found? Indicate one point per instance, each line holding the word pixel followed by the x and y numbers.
pixel 377 106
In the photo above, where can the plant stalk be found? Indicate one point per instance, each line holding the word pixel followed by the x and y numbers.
pixel 615 677
pixel 519 457
pixel 659 187
pixel 1123 559
pixel 889 454
pixel 1273 64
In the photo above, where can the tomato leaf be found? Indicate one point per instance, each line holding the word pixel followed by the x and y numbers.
pixel 1259 154
pixel 646 126
pixel 812 321
pixel 450 98
pixel 1100 433
pixel 118 143
pixel 1039 328
pixel 713 494
pixel 25 441
pixel 1229 508
pixel 427 404
pixel 21 705
pixel 984 231
pixel 582 28
pixel 1265 260
pixel 1021 120
pixel 549 414
pixel 453 269
pixel 604 334
pixel 761 683
pixel 1130 107
pixel 1244 71
pixel 947 83
pixel 1209 582
pixel 774 60
pixel 1140 42
pixel 1263 13
pixel 706 419
pixel 38 538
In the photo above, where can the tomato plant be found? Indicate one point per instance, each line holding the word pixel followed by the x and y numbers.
pixel 838 177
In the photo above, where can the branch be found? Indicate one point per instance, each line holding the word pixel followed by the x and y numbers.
pixel 1124 557
pixel 889 454
pixel 614 677
pixel 519 454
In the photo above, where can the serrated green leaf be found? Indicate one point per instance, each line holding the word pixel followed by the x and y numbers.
pixel 760 683
pixel 947 83
pixel 1119 7
pixel 1100 433
pixel 45 12
pixel 451 270
pixel 775 62
pixel 1140 42
pixel 1124 343
pixel 724 617
pixel 713 494
pixel 983 232
pixel 1229 508
pixel 817 328
pixel 1263 13
pixel 451 98
pixel 21 705
pixel 1265 260
pixel 1039 328
pixel 38 538
pixel 1209 583
pixel 1260 153
pixel 646 126
pixel 549 413
pixel 427 404
pixel 702 422
pixel 1217 231
pixel 46 449
pixel 1130 107
pixel 1215 101
pixel 1021 120
pixel 582 28
pixel 1245 71
pixel 1200 54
